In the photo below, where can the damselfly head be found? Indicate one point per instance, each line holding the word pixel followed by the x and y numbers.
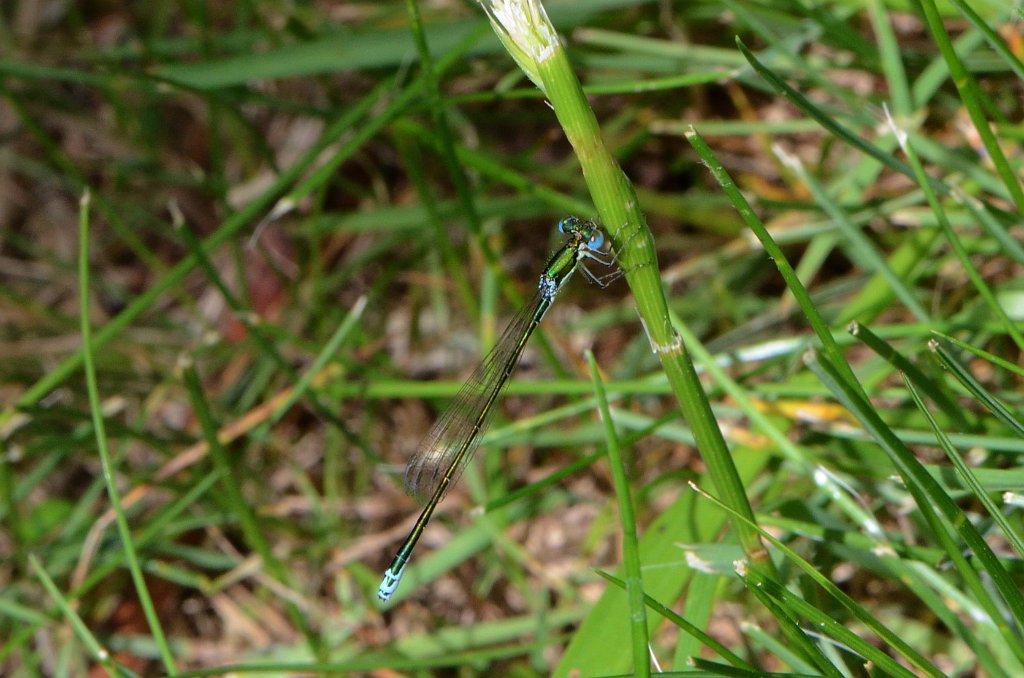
pixel 570 225
pixel 582 230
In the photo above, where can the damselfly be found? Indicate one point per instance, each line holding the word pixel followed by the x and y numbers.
pixel 447 448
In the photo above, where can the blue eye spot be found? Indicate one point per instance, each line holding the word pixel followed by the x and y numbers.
pixel 567 225
pixel 597 240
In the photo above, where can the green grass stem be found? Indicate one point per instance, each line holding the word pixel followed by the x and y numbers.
pixel 971 98
pixel 796 287
pixel 619 210
pixel 110 474
pixel 627 519
pixel 85 635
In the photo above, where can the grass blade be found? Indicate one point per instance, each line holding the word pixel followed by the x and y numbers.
pixel 933 389
pixel 928 494
pixel 970 479
pixel 627 517
pixel 109 471
pixel 994 404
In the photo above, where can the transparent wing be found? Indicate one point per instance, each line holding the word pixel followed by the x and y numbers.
pixel 450 444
